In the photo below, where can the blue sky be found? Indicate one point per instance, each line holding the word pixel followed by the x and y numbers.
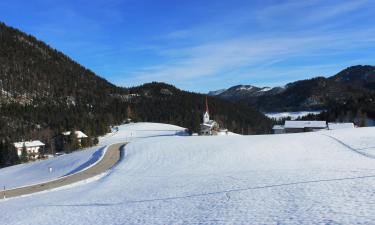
pixel 203 45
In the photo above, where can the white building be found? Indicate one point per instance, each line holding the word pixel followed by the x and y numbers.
pixel 278 129
pixel 32 148
pixel 336 126
pixel 209 127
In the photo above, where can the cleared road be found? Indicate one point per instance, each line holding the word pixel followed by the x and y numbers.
pixel 111 157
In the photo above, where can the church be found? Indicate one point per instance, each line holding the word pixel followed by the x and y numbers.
pixel 209 127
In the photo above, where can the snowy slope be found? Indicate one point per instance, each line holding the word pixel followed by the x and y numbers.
pixel 308 178
pixel 134 131
pixel 37 172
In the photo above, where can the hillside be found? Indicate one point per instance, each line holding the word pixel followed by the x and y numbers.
pixel 44 92
pixel 43 88
pixel 359 76
pixel 345 93
pixel 164 103
pixel 308 178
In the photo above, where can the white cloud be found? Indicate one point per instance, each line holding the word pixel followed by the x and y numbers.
pixel 213 59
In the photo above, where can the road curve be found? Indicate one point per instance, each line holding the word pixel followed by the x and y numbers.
pixel 110 158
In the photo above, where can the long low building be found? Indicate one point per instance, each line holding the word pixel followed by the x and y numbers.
pixel 297 126
pixel 294 126
pixel 337 126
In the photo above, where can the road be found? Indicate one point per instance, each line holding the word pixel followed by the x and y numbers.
pixel 111 157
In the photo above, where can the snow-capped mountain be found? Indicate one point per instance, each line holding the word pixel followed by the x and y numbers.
pixel 239 92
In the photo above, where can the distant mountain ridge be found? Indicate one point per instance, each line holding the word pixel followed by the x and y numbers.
pixel 311 94
pixel 244 91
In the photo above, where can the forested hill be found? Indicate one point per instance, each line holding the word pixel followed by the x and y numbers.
pixel 41 88
pixel 43 92
pixel 351 84
pixel 165 103
pixel 31 70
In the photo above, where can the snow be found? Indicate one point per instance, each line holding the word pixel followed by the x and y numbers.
pixel 292 115
pixel 305 178
pixel 134 131
pixel 244 88
pixel 78 133
pixel 265 89
pixel 335 126
pixel 278 127
pixel 37 172
pixel 217 92
pixel 28 144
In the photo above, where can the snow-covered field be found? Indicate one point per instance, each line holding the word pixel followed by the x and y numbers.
pixel 38 172
pixel 292 115
pixel 134 131
pixel 307 178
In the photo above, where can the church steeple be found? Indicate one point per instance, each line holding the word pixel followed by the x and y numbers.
pixel 206 115
pixel 207 105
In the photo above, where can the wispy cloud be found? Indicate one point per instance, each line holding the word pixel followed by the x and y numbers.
pixel 238 52
pixel 222 57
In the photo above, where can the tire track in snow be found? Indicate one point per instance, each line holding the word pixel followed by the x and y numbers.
pixel 350 147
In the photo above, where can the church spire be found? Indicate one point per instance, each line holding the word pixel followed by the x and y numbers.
pixel 207 105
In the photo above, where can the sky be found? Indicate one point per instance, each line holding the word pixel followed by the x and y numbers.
pixel 203 45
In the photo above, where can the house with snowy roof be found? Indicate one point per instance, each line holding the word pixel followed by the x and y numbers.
pixel 78 133
pixel 297 126
pixel 32 148
pixel 294 126
pixel 62 140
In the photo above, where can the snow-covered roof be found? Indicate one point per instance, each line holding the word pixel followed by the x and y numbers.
pixel 304 124
pixel 210 123
pixel 278 127
pixel 207 125
pixel 28 144
pixel 79 134
pixel 335 126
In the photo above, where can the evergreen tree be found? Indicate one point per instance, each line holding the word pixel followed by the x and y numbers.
pixel 24 154
pixel 96 141
pixel 74 141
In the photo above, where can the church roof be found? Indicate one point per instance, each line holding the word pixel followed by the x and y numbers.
pixel 210 123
